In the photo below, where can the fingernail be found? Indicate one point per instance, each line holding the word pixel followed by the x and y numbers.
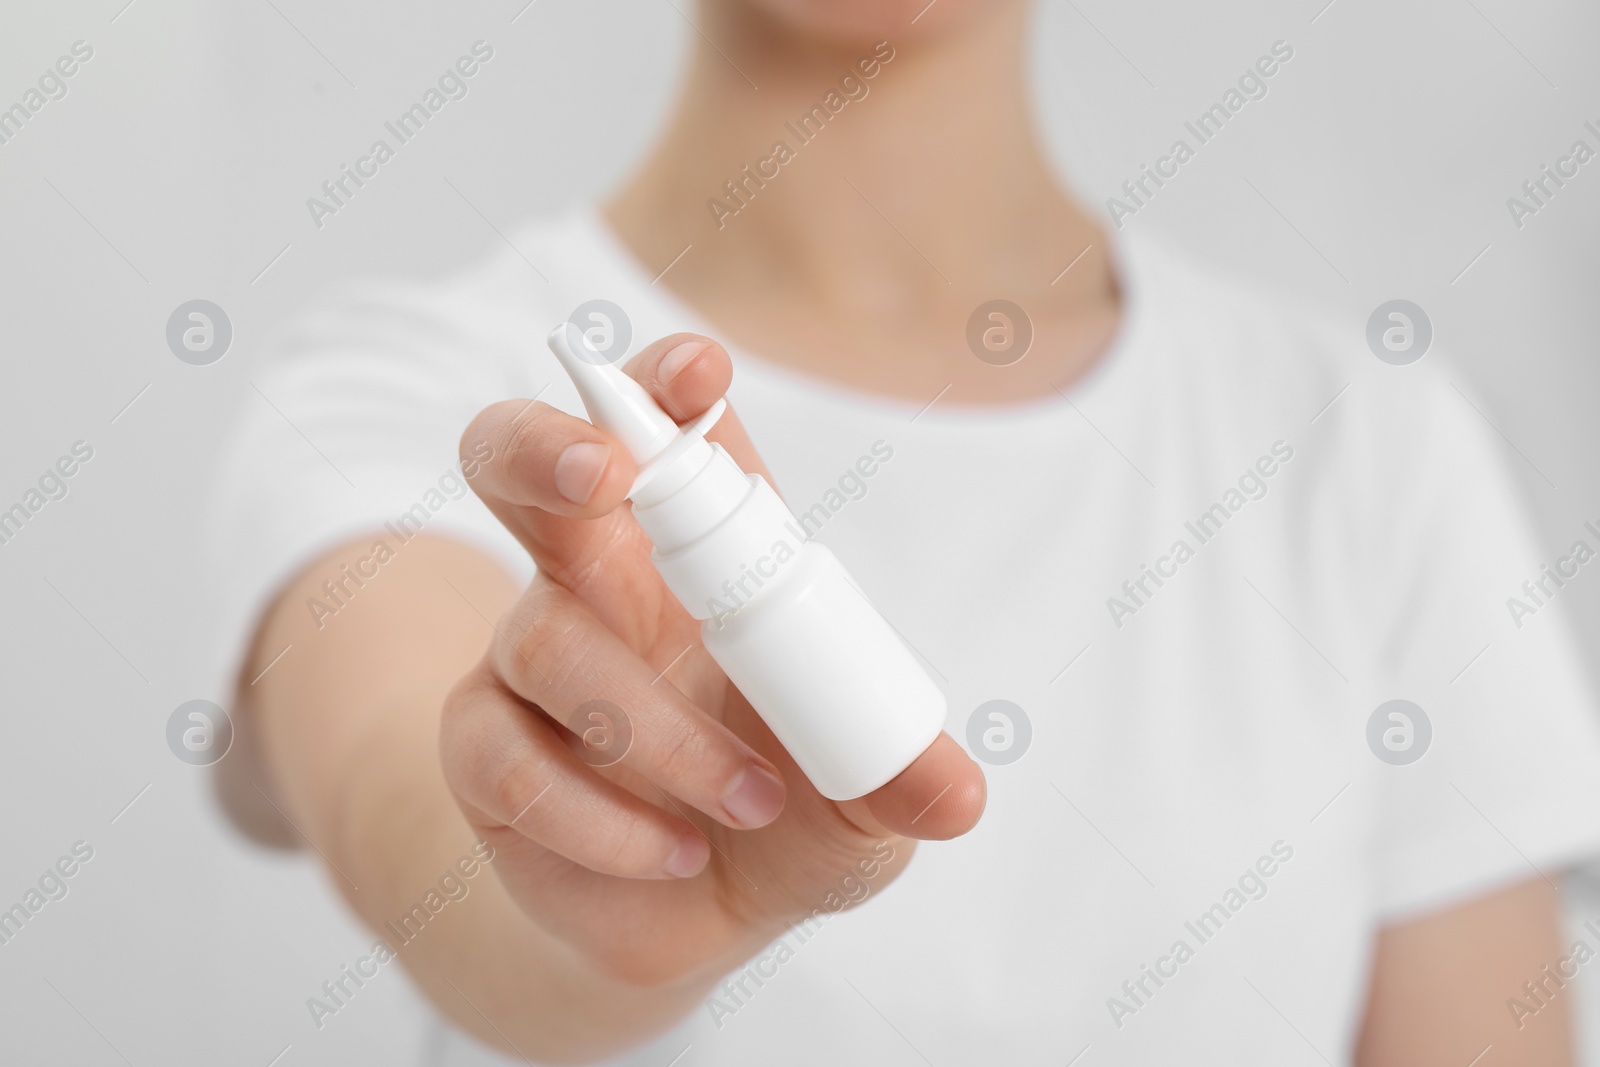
pixel 677 359
pixel 690 857
pixel 754 797
pixel 578 470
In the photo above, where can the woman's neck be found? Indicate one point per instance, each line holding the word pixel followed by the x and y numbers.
pixel 896 205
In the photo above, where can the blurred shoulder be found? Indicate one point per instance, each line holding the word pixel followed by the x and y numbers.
pixel 1249 354
pixel 486 316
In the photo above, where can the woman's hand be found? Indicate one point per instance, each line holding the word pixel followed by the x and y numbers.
pixel 703 840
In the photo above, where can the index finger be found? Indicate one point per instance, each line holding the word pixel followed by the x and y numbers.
pixel 686 373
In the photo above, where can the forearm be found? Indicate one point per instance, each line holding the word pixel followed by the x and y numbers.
pixel 1442 984
pixel 346 726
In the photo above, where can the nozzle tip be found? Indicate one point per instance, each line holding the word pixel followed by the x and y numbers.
pixel 615 402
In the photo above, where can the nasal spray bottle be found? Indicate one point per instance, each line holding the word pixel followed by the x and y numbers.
pixel 782 617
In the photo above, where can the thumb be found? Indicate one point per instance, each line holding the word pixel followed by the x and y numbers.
pixel 940 796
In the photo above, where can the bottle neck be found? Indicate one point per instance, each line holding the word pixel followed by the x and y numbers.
pixel 719 536
pixel 695 489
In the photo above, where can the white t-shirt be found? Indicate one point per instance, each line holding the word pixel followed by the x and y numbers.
pixel 1196 797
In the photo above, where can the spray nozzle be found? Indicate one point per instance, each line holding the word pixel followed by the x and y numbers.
pixel 621 407
pixel 615 402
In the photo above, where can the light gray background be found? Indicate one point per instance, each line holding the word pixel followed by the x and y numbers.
pixel 1384 152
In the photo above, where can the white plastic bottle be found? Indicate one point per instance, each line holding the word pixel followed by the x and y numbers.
pixel 782 616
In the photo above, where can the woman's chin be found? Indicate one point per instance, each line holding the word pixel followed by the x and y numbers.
pixel 866 21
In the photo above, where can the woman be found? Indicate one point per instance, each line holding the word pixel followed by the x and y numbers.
pixel 1202 842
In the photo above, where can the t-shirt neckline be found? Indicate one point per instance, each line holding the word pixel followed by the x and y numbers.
pixel 1128 258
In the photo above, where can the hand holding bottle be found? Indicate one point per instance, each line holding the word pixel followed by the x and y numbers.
pixel 704 840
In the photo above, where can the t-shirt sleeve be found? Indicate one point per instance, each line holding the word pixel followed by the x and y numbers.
pixel 352 431
pixel 1509 786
